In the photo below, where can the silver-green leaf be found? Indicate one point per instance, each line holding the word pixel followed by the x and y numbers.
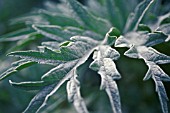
pixel 135 18
pixel 16 66
pixel 103 63
pixel 90 21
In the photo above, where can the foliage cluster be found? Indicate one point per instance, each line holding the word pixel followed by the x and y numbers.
pixel 82 41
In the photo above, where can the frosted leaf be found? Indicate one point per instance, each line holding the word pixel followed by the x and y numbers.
pixel 132 52
pixel 74 96
pixel 38 99
pixel 164 28
pixel 161 93
pixel 150 54
pixel 51 45
pixel 16 66
pixel 29 85
pixel 145 39
pixel 156 71
pixel 135 18
pixel 56 32
pixel 46 57
pixel 103 63
pixel 122 42
pixel 58 73
pixel 92 22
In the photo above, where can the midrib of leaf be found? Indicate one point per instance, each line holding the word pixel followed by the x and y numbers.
pixel 29 86
pixel 36 56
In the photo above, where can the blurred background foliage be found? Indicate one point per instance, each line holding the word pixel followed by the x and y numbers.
pixel 137 96
pixel 13 100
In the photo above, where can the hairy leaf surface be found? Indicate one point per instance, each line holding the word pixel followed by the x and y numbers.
pixel 139 45
pixel 103 63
